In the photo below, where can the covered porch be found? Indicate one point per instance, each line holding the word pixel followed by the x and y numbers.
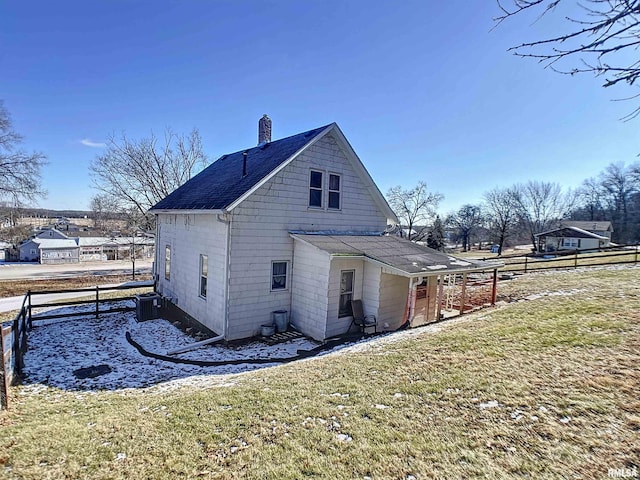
pixel 398 281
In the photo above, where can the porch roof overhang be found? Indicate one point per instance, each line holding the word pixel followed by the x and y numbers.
pixel 398 256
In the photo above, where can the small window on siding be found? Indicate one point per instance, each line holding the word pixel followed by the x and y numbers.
pixel 346 293
pixel 167 262
pixel 315 189
pixel 334 191
pixel 279 275
pixel 204 272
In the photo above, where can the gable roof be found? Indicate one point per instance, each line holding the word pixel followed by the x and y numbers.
pixel 406 258
pixel 599 226
pixel 570 232
pixel 54 243
pixel 221 183
pixel 222 186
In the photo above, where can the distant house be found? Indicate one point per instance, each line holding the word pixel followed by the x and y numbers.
pixel 5 249
pixel 601 228
pixel 297 225
pixel 49 250
pixel 575 235
pixel 51 246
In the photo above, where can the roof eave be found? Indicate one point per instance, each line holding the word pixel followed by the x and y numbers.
pixel 185 211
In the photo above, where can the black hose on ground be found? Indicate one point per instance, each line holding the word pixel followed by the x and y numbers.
pixel 257 361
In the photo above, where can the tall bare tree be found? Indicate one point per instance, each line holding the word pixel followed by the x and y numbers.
pixel 540 205
pixel 138 174
pixel 620 184
pixel 501 214
pixel 590 199
pixel 415 206
pixel 20 171
pixel 601 37
pixel 467 220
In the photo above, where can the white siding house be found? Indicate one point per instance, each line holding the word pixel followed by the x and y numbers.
pixel 249 215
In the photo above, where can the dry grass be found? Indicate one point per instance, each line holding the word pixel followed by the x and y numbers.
pixel 11 288
pixel 562 368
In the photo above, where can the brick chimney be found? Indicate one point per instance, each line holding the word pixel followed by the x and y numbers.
pixel 264 130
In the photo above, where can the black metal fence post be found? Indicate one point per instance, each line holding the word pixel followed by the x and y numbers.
pixel 97 301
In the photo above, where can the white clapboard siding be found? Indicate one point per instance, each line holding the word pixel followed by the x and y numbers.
pixel 371 289
pixel 336 325
pixel 309 290
pixel 260 226
pixel 394 290
pixel 190 236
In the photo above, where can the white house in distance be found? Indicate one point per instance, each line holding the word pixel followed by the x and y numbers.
pixel 295 224
pixel 576 235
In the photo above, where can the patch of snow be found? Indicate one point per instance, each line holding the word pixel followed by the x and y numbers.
pixel 565 419
pixel 381 406
pixel 57 348
pixel 343 437
pixel 489 404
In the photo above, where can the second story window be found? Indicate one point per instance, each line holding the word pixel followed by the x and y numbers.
pixel 315 189
pixel 334 191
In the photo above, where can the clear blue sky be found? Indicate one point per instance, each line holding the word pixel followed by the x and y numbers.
pixel 422 89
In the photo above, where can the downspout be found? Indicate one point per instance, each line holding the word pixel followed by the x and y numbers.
pixel 193 346
pixel 156 277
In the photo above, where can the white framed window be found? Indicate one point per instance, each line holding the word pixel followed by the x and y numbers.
pixel 570 242
pixel 167 262
pixel 279 275
pixel 346 292
pixel 204 273
pixel 334 191
pixel 315 189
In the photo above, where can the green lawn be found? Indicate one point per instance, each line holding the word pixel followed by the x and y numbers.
pixel 540 388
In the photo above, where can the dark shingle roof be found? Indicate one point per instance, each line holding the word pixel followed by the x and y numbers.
pixel 222 183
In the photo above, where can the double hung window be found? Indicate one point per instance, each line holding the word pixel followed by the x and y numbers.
pixel 315 189
pixel 346 293
pixel 204 273
pixel 279 275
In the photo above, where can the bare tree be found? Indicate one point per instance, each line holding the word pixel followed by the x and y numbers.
pixel 466 221
pixel 590 197
pixel 138 174
pixel 20 175
pixel 413 207
pixel 502 214
pixel 540 205
pixel 601 38
pixel 619 184
pixel 103 207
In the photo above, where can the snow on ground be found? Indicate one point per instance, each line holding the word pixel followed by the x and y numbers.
pixel 56 348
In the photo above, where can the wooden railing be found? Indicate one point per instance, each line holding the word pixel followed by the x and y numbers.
pixel 626 254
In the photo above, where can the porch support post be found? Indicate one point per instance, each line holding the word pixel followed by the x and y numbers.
pixel 440 283
pixel 463 294
pixel 411 301
pixel 494 287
